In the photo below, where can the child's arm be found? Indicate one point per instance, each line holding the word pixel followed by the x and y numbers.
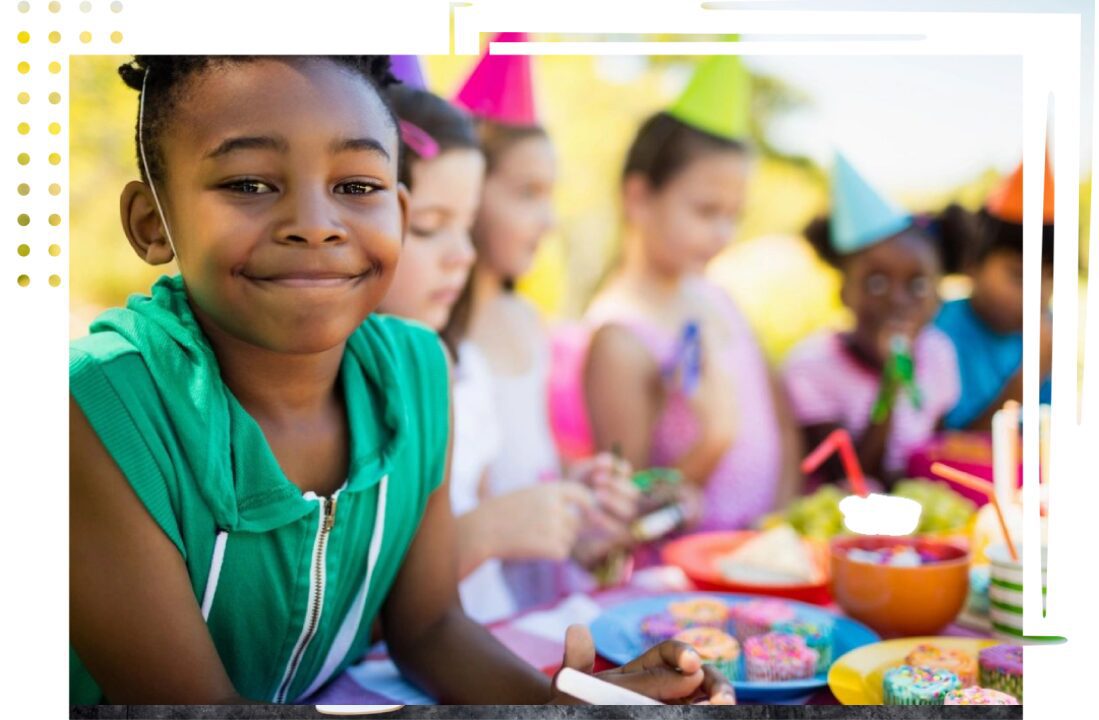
pixel 438 647
pixel 133 617
pixel 791 480
pixel 458 661
pixel 620 390
pixel 1013 389
pixel 429 636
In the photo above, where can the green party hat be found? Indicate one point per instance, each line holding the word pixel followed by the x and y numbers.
pixel 717 98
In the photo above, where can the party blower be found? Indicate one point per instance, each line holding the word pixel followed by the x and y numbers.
pixel 899 373
pixel 864 512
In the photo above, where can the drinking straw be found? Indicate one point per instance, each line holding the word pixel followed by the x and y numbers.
pixel 838 441
pixel 980 485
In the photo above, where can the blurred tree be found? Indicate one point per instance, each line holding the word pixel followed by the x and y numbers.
pixel 102 111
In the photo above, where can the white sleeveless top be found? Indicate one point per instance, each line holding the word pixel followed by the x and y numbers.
pixel 477 443
pixel 528 456
pixel 529 453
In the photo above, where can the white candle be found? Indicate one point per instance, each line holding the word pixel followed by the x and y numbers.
pixel 1005 463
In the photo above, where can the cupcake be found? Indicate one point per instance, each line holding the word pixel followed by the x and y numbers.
pixel 657 628
pixel 817 635
pixel 907 685
pixel 701 612
pixel 932 656
pixel 715 647
pixel 775 657
pixel 758 617
pixel 1001 668
pixel 974 695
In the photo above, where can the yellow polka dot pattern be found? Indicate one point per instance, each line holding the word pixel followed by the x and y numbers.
pixel 23 155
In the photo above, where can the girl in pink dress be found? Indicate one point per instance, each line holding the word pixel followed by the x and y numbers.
pixel 674 375
pixel 892 377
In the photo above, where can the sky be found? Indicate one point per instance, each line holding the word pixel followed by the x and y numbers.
pixel 915 124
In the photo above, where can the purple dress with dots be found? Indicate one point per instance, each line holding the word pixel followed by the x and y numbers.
pixel 743 485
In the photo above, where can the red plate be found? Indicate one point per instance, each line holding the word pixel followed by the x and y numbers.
pixel 697 555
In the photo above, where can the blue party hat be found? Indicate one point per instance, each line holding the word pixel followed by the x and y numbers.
pixel 860 216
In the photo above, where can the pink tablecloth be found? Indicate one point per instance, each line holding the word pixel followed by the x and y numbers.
pixel 970 452
pixel 375 680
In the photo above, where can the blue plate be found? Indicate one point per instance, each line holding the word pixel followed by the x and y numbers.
pixel 617 635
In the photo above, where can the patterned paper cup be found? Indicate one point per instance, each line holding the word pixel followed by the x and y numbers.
pixel 1005 594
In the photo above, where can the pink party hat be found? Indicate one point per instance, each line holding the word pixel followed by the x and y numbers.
pixel 499 88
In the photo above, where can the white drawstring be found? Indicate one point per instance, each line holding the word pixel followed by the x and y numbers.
pixel 215 573
pixel 145 161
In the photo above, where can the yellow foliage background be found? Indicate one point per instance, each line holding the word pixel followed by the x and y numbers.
pixel 785 291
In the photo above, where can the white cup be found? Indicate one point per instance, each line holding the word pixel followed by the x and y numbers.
pixel 1005 594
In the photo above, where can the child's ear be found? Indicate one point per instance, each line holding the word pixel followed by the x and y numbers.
pixel 636 194
pixel 402 200
pixel 142 225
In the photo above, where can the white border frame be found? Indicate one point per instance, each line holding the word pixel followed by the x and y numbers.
pixel 35 317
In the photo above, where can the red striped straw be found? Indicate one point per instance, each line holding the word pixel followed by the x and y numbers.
pixel 838 441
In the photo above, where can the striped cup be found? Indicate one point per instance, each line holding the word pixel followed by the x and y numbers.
pixel 1005 593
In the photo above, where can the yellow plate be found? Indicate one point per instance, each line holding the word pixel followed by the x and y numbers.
pixel 855 678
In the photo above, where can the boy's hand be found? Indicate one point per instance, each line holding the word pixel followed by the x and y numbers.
pixel 671 672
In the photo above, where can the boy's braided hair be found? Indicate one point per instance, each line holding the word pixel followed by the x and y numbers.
pixel 164 76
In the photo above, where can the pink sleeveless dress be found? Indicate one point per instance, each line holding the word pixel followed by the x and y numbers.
pixel 743 485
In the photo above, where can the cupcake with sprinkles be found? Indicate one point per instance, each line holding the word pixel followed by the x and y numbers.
pixel 907 685
pixel 775 657
pixel 974 695
pixel 758 617
pixel 1001 668
pixel 716 648
pixel 932 656
pixel 657 628
pixel 817 635
pixel 700 612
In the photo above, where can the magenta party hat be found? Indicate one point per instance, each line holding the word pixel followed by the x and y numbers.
pixel 407 69
pixel 499 88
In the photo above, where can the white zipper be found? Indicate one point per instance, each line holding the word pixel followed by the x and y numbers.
pixel 349 628
pixel 317 576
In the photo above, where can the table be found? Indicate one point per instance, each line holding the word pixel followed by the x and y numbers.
pixel 536 636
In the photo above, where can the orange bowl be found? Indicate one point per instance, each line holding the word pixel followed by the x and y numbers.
pixel 901 601
pixel 698 555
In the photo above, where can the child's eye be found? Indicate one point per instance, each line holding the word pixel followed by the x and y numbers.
pixel 920 287
pixel 531 192
pixel 249 187
pixel 356 187
pixel 877 284
pixel 421 231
